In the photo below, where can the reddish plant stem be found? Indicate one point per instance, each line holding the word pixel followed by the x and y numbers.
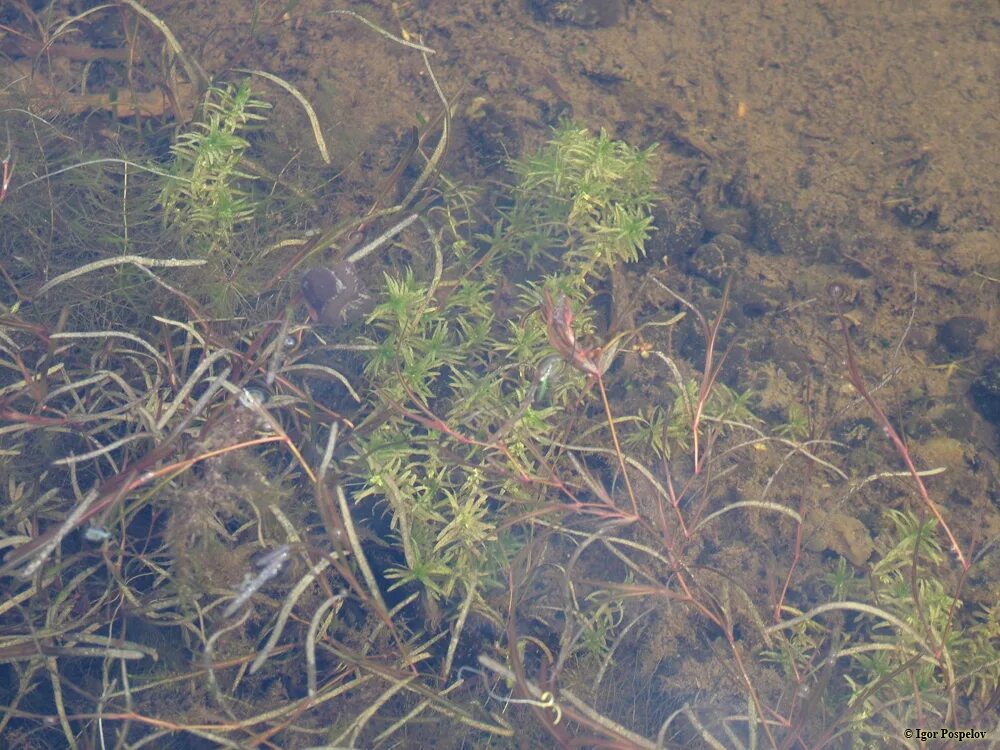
pixel 854 375
pixel 618 448
pixel 795 561
pixel 710 371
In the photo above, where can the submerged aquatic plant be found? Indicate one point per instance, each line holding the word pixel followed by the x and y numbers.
pixel 448 489
pixel 585 198
pixel 208 201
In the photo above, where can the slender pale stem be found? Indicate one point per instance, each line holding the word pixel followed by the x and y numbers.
pixel 618 449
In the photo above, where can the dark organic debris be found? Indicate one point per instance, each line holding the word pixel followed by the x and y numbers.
pixel 958 335
pixel 985 392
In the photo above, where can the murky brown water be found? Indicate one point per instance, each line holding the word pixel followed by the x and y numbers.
pixel 801 145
